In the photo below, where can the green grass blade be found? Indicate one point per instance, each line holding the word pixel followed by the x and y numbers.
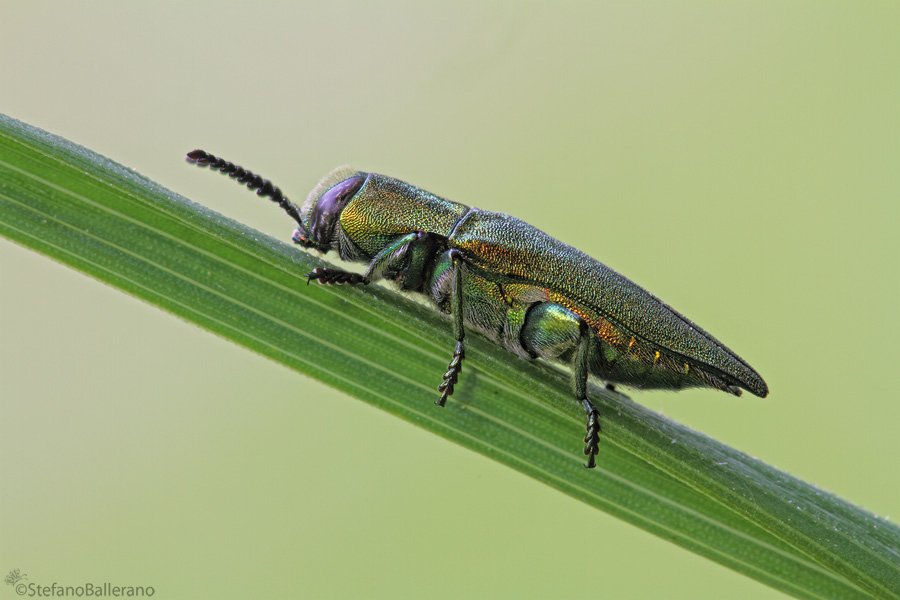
pixel 98 217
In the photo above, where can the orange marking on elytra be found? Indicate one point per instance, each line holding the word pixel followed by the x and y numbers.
pixel 609 332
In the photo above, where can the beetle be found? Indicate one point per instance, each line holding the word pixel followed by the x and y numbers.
pixel 511 282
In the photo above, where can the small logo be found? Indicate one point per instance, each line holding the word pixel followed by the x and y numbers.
pixel 15 576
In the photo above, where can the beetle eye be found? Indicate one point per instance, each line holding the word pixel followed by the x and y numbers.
pixel 335 199
pixel 330 205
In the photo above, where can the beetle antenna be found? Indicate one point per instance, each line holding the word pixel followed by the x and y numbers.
pixel 253 181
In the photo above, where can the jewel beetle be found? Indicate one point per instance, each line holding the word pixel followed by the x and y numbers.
pixel 509 281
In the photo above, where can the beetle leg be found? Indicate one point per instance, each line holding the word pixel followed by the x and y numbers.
pixel 455 366
pixel 392 255
pixel 394 252
pixel 554 332
pixel 592 435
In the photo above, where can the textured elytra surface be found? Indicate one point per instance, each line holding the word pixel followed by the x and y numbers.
pixel 503 244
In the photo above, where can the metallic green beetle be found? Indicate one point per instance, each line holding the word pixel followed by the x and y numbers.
pixel 511 282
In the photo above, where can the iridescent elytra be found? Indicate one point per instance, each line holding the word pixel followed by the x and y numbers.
pixel 507 280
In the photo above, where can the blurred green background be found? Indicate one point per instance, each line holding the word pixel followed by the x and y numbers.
pixel 741 160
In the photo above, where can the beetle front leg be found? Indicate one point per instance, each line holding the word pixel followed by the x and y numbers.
pixel 456 309
pixel 389 257
pixel 332 276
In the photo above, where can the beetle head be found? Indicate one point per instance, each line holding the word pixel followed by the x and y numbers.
pixel 322 210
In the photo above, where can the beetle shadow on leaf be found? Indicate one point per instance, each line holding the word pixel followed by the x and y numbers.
pixel 466 389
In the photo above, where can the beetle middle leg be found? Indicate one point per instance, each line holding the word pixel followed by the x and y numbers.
pixel 456 295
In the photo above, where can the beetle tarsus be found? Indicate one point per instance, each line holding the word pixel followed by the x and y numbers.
pixel 452 374
pixel 592 437
pixel 332 276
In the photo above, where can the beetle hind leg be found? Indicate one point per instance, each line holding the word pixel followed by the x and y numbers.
pixel 554 332
pixel 592 428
